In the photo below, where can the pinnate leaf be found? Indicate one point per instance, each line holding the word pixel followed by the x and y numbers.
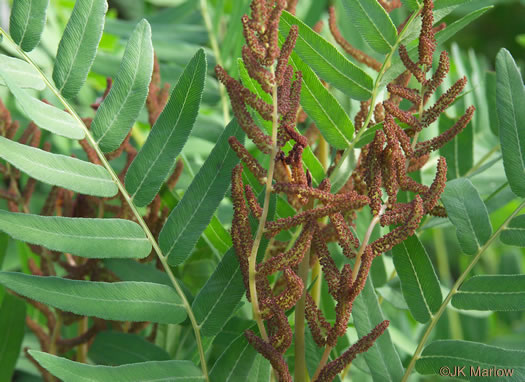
pixel 419 282
pixel 218 298
pixel 495 293
pixel 117 348
pixel 156 159
pixel 510 101
pixel 326 60
pixel 374 24
pixel 59 170
pixel 235 362
pixel 91 238
pixel 70 371
pixel 118 301
pixel 21 73
pixel 468 213
pixel 27 21
pixel 193 213
pixel 514 232
pixel 78 47
pixel 119 111
pixel 261 370
pixel 452 354
pixel 46 116
pixel 12 328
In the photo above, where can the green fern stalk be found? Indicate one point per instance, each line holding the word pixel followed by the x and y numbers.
pixel 454 290
pixel 128 199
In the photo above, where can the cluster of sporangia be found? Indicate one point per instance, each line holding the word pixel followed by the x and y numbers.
pixel 62 202
pixel 384 164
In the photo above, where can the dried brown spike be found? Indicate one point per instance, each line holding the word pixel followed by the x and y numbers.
pixel 272 33
pixel 293 292
pixel 290 258
pixel 432 114
pixel 343 307
pixel 424 148
pixel 240 231
pixel 353 202
pixel 252 202
pixel 427 41
pixel 439 75
pixel 346 238
pixel 361 115
pixel 257 71
pixel 438 186
pixel 252 40
pixel 280 330
pixel 409 94
pixel 330 271
pixel 251 163
pixel 403 116
pixel 400 233
pixel 271 354
pixel 411 65
pixel 318 325
pixel 286 51
pixel 330 370
pixel 259 14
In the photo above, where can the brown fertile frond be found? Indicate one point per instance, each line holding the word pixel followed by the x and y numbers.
pixel 346 238
pixel 318 325
pixel 411 65
pixel 293 292
pixel 404 116
pixel 437 187
pixel 361 115
pixel 286 51
pixel 280 330
pixel 439 75
pixel 399 234
pixel 271 354
pixel 352 202
pixel 255 208
pixel 331 369
pixel 241 230
pixel 446 99
pixel 423 148
pixel 330 271
pixel 249 161
pixel 290 258
pixel 409 94
pixel 427 40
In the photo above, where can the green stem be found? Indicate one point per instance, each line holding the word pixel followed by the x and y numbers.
pixel 375 93
pixel 454 290
pixel 128 199
pixel 252 261
pixel 218 58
